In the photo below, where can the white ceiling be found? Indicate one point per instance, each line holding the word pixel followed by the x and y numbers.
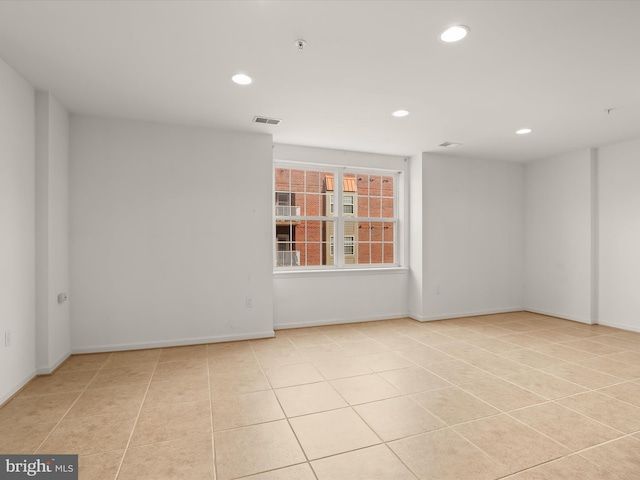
pixel 553 66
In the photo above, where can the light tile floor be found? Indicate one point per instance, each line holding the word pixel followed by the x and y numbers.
pixel 518 395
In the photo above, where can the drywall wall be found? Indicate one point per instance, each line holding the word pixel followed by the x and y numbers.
pixel 558 236
pixel 304 298
pixel 170 234
pixel 619 234
pixel 416 234
pixel 472 227
pixel 52 226
pixel 17 224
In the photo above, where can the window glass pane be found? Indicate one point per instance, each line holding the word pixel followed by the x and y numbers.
pixel 301 192
pixel 307 245
pixel 349 247
pixel 374 207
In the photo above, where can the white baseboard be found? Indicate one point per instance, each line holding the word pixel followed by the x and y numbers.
pixel 16 388
pixel 47 369
pixel 339 321
pixel 429 318
pixel 563 316
pixel 172 343
pixel 623 326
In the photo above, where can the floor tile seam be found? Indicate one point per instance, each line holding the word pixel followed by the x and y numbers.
pixel 508 467
pixel 513 474
pixel 635 348
pixel 165 441
pixel 622 380
pixel 135 423
pixel 131 364
pixel 66 412
pixel 364 448
pixel 585 389
pixel 481 450
pixel 579 363
pixel 589 417
pixel 622 361
pixel 593 447
pixel 274 470
pixel 291 429
pixel 615 398
pixel 261 422
pixel 410 397
pixel 542 433
pixel 177 404
pixel 371 401
pixel 528 366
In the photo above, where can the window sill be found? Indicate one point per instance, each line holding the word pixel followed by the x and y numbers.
pixel 331 272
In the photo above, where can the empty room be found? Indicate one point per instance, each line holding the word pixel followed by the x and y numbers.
pixel 319 240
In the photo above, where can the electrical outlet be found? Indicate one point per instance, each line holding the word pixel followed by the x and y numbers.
pixel 7 338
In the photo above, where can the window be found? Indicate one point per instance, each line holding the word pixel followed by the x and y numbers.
pixel 348 245
pixel 347 204
pixel 312 230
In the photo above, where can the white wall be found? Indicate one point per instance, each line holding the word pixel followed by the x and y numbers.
pixel 472 256
pixel 558 236
pixel 52 226
pixel 302 299
pixel 170 232
pixel 416 234
pixel 17 231
pixel 619 235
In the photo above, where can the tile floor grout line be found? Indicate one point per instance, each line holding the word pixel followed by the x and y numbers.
pixel 213 438
pixel 135 423
pixel 307 461
pixel 73 404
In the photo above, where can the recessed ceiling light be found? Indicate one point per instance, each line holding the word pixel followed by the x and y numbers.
pixel 241 79
pixel 401 113
pixel 524 131
pixel 454 34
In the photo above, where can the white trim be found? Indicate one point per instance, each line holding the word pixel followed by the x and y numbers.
pixel 12 391
pixel 174 343
pixel 559 315
pixel 338 321
pixel 429 318
pixel 622 326
pixel 330 271
pixel 47 369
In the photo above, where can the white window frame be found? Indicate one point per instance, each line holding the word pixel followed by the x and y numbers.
pixel 337 248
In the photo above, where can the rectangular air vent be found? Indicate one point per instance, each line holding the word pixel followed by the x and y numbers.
pixel 267 120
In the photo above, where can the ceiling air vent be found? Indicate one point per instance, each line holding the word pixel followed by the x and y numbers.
pixel 449 144
pixel 267 120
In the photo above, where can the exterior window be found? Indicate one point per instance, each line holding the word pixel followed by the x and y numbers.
pixel 312 230
pixel 347 204
pixel 349 245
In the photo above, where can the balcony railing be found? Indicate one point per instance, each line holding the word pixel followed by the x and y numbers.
pixel 287 211
pixel 288 258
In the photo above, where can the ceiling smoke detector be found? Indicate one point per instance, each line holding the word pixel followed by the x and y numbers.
pixel 266 120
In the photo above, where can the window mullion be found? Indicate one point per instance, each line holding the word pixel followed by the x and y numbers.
pixel 339 214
